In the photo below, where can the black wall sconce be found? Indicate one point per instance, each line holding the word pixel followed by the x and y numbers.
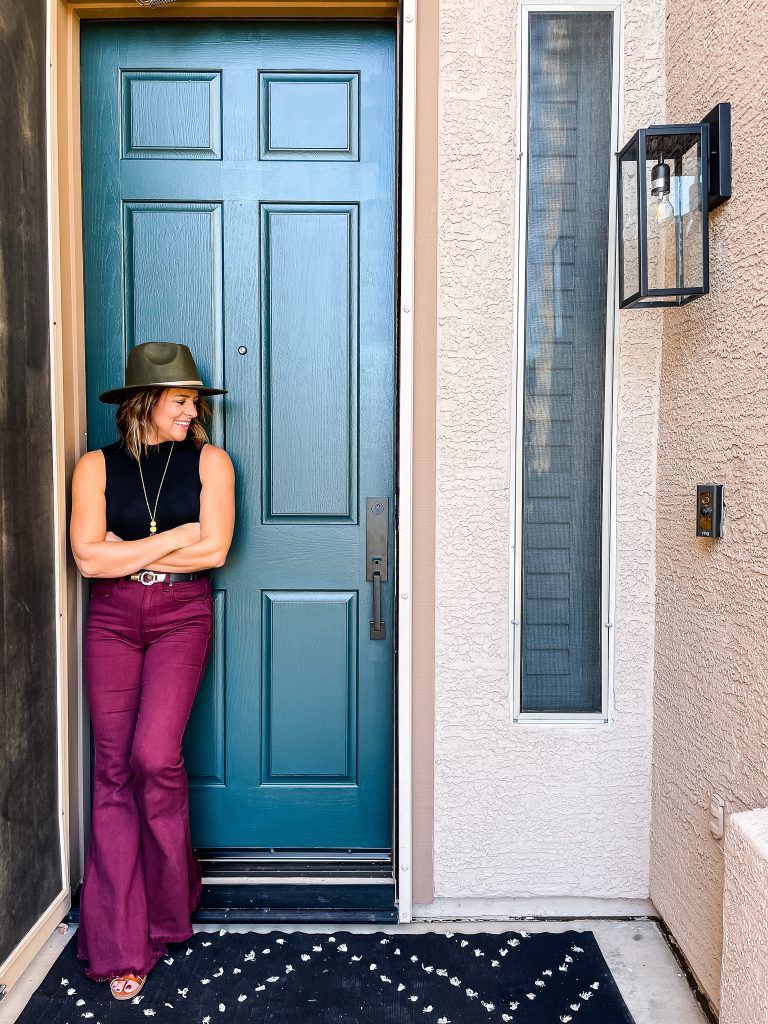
pixel 669 177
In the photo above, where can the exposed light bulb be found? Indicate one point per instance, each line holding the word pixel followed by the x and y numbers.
pixel 662 210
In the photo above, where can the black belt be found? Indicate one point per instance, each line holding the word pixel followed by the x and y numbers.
pixel 148 576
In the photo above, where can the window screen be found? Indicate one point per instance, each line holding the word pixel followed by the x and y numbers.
pixel 569 157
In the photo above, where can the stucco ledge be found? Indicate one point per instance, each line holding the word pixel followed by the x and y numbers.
pixel 744 993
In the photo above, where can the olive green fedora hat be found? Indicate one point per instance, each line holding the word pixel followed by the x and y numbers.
pixel 159 364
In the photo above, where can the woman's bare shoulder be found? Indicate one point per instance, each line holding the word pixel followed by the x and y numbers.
pixel 90 470
pixel 91 463
pixel 215 460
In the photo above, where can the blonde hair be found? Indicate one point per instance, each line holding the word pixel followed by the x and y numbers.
pixel 133 420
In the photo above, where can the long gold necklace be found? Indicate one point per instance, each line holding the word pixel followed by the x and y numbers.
pixel 152 514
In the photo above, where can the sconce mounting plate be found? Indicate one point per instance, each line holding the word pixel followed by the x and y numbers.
pixel 719 121
pixel 720 160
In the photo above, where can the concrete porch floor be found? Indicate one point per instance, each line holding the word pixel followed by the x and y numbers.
pixel 647 973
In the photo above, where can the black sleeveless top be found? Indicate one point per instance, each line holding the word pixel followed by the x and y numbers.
pixel 179 502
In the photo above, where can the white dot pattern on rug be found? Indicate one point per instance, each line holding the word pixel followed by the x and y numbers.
pixel 438 977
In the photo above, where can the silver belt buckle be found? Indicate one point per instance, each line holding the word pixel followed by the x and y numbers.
pixel 148 577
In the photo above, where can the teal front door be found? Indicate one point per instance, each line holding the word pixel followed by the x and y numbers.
pixel 238 195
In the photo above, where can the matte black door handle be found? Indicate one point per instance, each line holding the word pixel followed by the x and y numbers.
pixel 376 543
pixel 378 628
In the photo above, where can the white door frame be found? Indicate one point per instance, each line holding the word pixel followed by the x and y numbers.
pixel 403 574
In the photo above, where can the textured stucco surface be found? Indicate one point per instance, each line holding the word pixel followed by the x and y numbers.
pixel 527 810
pixel 744 994
pixel 711 681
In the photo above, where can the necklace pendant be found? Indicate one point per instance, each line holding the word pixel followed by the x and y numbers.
pixel 153 512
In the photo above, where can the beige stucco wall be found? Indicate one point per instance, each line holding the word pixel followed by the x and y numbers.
pixel 712 596
pixel 744 993
pixel 527 811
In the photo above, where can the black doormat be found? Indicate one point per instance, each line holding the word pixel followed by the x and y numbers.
pixel 341 977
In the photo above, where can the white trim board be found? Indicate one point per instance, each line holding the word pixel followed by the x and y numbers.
pixel 26 951
pixel 470 908
pixel 60 531
pixel 517 716
pixel 404 571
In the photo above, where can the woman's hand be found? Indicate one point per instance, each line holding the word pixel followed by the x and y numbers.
pixel 112 536
pixel 217 518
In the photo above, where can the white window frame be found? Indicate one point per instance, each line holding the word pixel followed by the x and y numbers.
pixel 604 717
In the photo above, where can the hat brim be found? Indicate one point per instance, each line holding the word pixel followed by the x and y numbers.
pixel 116 395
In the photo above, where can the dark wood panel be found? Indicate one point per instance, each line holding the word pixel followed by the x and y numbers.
pixel 30 872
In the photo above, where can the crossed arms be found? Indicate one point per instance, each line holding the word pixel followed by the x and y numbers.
pixel 185 548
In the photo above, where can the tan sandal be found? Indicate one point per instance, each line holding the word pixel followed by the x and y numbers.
pixel 137 980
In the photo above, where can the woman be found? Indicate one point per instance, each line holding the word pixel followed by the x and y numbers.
pixel 151 515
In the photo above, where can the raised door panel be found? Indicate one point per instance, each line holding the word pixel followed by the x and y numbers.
pixel 171 115
pixel 310 352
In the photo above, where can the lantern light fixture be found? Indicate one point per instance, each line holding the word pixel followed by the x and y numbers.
pixel 669 178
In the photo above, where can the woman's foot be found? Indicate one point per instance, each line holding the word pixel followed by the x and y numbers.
pixel 126 986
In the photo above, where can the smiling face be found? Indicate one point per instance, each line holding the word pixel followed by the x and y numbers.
pixel 175 410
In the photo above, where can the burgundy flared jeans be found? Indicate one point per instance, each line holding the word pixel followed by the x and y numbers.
pixel 146 649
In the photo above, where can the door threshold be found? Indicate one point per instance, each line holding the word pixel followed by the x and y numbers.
pixel 343 865
pixel 333 900
pixel 317 916
pixel 295 880
pixel 255 901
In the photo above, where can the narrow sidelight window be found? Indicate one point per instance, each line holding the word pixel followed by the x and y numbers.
pixel 566 244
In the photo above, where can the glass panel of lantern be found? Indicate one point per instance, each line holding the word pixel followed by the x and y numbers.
pixel 663 258
pixel 629 219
